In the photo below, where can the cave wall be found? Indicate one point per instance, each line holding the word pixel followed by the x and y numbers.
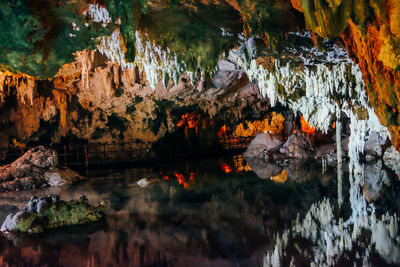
pixel 371 33
pixel 68 104
pixel 97 100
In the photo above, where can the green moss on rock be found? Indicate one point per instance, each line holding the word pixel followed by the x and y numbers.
pixel 51 212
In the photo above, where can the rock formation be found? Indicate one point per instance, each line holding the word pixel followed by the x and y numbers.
pixel 102 97
pixel 263 144
pixel 51 212
pixel 371 32
pixel 37 168
pixel 94 99
pixel 297 146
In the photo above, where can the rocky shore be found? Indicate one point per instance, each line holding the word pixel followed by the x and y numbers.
pixel 37 168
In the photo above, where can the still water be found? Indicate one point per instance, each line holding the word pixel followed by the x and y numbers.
pixel 216 212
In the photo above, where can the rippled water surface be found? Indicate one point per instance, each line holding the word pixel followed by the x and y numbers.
pixel 215 212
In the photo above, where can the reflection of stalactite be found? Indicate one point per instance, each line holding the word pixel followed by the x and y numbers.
pixel 339 159
pixel 327 89
pixel 333 237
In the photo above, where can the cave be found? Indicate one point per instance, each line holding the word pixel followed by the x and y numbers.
pixel 199 133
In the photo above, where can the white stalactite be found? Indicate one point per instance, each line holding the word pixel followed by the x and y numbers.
pixel 328 88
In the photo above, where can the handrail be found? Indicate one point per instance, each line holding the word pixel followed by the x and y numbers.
pixel 134 150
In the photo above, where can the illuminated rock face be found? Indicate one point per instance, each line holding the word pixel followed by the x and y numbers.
pixel 99 100
pixel 165 41
pixel 371 32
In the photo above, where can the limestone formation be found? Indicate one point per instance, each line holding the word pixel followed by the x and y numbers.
pixel 51 212
pixel 391 158
pixel 263 144
pixel 297 146
pixel 37 168
pixel 370 30
pixel 96 99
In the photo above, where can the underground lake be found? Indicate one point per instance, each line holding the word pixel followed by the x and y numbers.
pixel 199 133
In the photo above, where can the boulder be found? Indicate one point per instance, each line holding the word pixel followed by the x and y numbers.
pixel 35 169
pixel 263 144
pixel 51 212
pixel 373 146
pixel 391 158
pixel 298 146
pixel 327 152
pixel 61 176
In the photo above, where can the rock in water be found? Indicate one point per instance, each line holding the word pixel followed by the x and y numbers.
pixel 60 177
pixel 143 182
pixel 51 212
pixel 391 158
pixel 35 169
pixel 297 146
pixel 262 144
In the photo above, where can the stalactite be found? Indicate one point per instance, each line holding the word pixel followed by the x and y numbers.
pixel 321 84
pixel 112 47
pixel 327 89
pixel 25 87
pixel 158 63
pixel 98 14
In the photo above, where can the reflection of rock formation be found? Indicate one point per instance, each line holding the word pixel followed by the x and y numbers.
pixel 335 237
pixel 375 180
pixel 294 170
pixel 264 169
pixel 218 221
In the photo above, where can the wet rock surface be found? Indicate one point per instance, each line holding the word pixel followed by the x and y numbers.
pixel 297 146
pixel 263 144
pixel 37 168
pixel 392 159
pixel 300 145
pixel 327 152
pixel 51 212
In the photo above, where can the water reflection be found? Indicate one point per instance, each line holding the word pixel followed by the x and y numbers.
pixel 219 219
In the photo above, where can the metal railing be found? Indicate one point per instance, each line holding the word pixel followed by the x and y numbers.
pixel 137 151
